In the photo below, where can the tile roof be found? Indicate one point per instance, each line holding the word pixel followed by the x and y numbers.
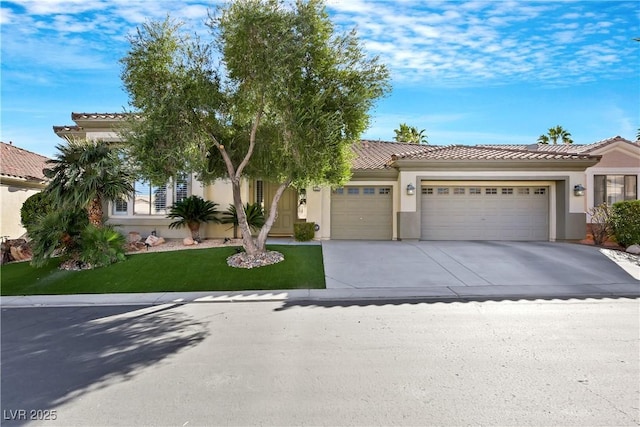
pixel 566 148
pixel 20 163
pixel 98 116
pixel 469 152
pixel 377 154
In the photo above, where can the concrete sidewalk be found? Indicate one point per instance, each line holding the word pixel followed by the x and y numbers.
pixel 427 271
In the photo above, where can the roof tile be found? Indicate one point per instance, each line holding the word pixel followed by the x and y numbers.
pixel 21 163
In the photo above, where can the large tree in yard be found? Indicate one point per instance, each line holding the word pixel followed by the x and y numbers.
pixel 275 94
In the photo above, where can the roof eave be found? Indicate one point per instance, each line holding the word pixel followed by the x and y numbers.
pixel 579 164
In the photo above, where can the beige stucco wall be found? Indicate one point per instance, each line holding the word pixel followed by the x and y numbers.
pixel 11 199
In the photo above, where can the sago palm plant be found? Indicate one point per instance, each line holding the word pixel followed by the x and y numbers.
pixel 253 212
pixel 191 212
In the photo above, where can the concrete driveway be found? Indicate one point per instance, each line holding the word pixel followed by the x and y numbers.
pixel 475 268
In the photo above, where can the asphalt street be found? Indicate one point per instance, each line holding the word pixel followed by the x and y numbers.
pixel 570 362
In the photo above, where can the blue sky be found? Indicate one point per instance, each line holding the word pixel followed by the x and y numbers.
pixel 468 72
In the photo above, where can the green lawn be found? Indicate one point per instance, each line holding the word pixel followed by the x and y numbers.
pixel 191 270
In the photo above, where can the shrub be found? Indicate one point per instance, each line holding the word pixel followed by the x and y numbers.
pixel 192 212
pixel 600 223
pixel 101 246
pixel 304 231
pixel 57 232
pixel 625 221
pixel 34 208
pixel 253 212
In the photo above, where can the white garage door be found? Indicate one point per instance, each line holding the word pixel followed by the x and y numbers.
pixel 484 212
pixel 362 213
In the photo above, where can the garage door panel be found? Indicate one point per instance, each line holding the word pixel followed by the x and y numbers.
pixel 362 213
pixel 484 213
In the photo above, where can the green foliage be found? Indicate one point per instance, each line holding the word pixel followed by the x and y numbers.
pixel 625 220
pixel 101 246
pixel 554 134
pixel 253 212
pixel 410 134
pixel 304 231
pixel 34 208
pixel 600 223
pixel 58 232
pixel 86 173
pixel 193 211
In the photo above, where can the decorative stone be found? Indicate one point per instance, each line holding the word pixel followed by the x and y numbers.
pixel 188 241
pixel 244 260
pixel 15 250
pixel 134 237
pixel 634 249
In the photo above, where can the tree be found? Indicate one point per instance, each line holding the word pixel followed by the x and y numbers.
pixel 554 134
pixel 192 212
pixel 85 174
pixel 410 134
pixel 276 94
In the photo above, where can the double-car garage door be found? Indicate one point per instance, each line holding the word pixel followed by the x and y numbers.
pixel 362 213
pixel 496 212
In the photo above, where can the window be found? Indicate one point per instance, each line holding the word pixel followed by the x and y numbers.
pixel 120 207
pixel 368 190
pixel 475 190
pixel 427 190
pixel 353 190
pixel 156 200
pixel 339 190
pixel 443 190
pixel 614 188
pixel 385 190
pixel 260 193
pixel 523 191
pixel 459 190
pixel 507 191
pixel 540 190
pixel 490 191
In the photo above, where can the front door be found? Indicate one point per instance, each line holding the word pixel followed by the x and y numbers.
pixel 287 209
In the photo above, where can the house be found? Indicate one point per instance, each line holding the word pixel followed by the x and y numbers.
pixel 405 191
pixel 20 177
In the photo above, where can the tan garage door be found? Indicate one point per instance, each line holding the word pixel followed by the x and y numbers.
pixel 484 212
pixel 362 213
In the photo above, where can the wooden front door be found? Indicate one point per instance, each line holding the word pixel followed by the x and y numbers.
pixel 287 209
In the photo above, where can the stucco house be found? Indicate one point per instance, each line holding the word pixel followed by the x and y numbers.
pixel 404 191
pixel 20 177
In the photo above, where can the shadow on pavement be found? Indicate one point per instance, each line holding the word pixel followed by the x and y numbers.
pixel 430 300
pixel 55 354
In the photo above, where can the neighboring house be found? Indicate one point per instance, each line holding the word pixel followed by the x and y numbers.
pixel 20 177
pixel 403 191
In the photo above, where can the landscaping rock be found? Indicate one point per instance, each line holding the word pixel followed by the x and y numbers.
pixel 244 260
pixel 188 241
pixel 634 249
pixel 134 237
pixel 154 240
pixel 15 250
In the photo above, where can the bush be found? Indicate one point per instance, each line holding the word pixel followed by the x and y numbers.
pixel 625 221
pixel 101 246
pixel 57 232
pixel 34 209
pixel 600 223
pixel 304 231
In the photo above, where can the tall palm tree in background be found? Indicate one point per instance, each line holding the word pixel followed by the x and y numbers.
pixel 554 134
pixel 406 133
pixel 85 174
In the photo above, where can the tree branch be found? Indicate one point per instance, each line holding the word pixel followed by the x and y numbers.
pixel 252 140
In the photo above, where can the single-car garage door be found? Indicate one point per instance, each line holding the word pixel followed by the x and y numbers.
pixel 484 212
pixel 362 213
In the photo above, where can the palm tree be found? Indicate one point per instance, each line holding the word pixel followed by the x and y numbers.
pixel 193 211
pixel 410 134
pixel 554 134
pixel 253 212
pixel 85 174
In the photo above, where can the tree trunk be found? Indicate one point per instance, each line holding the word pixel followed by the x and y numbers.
pixel 94 211
pixel 273 214
pixel 248 243
pixel 194 227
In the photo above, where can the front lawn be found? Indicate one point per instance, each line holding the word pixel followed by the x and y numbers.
pixel 192 270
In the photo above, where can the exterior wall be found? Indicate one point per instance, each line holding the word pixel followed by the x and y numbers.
pixel 319 211
pixel 564 217
pixel 12 196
